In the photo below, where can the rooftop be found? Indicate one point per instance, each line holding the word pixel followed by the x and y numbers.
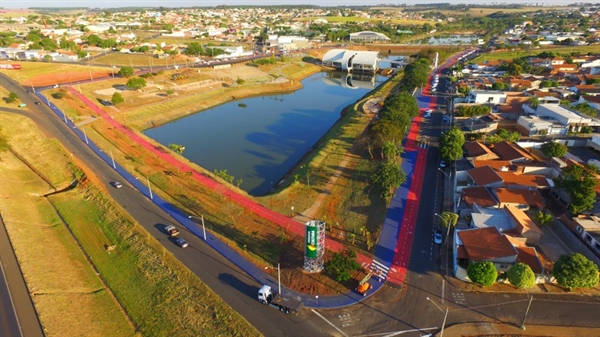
pixel 482 244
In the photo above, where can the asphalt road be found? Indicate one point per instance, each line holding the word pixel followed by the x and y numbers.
pixel 224 278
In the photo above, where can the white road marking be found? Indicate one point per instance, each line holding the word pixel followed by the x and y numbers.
pixel 328 322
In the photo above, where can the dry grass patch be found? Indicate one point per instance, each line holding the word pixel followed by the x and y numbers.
pixel 137 60
pixel 29 142
pixel 48 256
pixel 46 73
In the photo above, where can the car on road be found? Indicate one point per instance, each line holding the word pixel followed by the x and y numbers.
pixel 181 243
pixel 427 115
pixel 437 237
pixel 116 184
pixel 442 164
pixel 37 103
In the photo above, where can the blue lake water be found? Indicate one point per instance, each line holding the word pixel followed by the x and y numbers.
pixel 258 140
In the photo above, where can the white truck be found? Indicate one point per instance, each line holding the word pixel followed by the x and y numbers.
pixel 288 305
pixel 171 230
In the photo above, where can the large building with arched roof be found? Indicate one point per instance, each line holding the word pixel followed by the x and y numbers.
pixel 352 60
pixel 368 37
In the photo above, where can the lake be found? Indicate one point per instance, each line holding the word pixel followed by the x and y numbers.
pixel 259 139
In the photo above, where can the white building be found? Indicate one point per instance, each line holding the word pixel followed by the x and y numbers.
pixel 564 116
pixel 368 37
pixel 486 96
pixel 530 125
pixel 352 60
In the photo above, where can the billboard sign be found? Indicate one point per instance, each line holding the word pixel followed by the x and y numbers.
pixel 311 242
pixel 13 66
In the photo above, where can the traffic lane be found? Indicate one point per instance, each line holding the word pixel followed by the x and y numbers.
pixel 146 213
pixel 16 306
pixel 9 324
pixel 238 289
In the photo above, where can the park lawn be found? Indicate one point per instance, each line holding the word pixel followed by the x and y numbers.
pixel 138 60
pixel 46 251
pixel 511 54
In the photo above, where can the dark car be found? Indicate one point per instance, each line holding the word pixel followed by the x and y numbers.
pixel 37 103
pixel 181 243
pixel 116 184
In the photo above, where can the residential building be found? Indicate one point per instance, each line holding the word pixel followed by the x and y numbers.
pixel 485 96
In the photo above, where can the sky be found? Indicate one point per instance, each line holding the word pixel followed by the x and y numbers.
pixel 16 4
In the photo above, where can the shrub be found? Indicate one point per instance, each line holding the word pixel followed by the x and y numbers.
pixel 575 271
pixel 482 273
pixel 520 275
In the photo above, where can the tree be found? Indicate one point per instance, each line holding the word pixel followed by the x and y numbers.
pixel 451 144
pixel 342 264
pixel 575 271
pixel 482 273
pixel 117 98
pixel 126 71
pixel 520 275
pixel 503 135
pixel 544 218
pixel 554 149
pixel 514 69
pixel 177 148
pixel 388 176
pixel 580 182
pixel 12 97
pixel 136 83
pixel 449 219
pixel 194 49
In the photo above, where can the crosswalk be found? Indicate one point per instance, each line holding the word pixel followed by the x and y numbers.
pixel 423 145
pixel 379 270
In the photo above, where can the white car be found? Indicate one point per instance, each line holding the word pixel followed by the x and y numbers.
pixel 437 237
pixel 427 115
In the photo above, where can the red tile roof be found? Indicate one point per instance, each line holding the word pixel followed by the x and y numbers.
pixel 510 151
pixel 476 149
pixel 484 175
pixel 495 164
pixel 517 179
pixel 479 195
pixel 483 244
pixel 522 196
pixel 529 256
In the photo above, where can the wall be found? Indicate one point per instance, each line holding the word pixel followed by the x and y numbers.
pixel 573 241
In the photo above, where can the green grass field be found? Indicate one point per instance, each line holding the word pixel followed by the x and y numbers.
pixel 343 19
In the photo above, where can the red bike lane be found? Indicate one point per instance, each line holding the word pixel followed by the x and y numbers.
pixel 279 219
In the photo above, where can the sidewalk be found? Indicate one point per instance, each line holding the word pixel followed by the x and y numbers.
pixel 493 329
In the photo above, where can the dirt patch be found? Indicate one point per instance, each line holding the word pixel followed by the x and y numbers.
pixel 65 77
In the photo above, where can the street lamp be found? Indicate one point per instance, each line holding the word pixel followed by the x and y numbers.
pixel 447 176
pixel 445 315
pixel 278 277
pixel 201 218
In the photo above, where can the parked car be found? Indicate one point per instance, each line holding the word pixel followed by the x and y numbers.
pixel 116 184
pixel 181 243
pixel 437 237
pixel 427 115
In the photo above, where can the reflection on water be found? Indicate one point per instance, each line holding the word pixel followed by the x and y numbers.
pixel 258 140
pixel 351 81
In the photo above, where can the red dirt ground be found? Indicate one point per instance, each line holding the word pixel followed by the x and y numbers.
pixel 66 77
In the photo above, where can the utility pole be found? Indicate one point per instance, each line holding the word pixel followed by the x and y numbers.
pixel 526 312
